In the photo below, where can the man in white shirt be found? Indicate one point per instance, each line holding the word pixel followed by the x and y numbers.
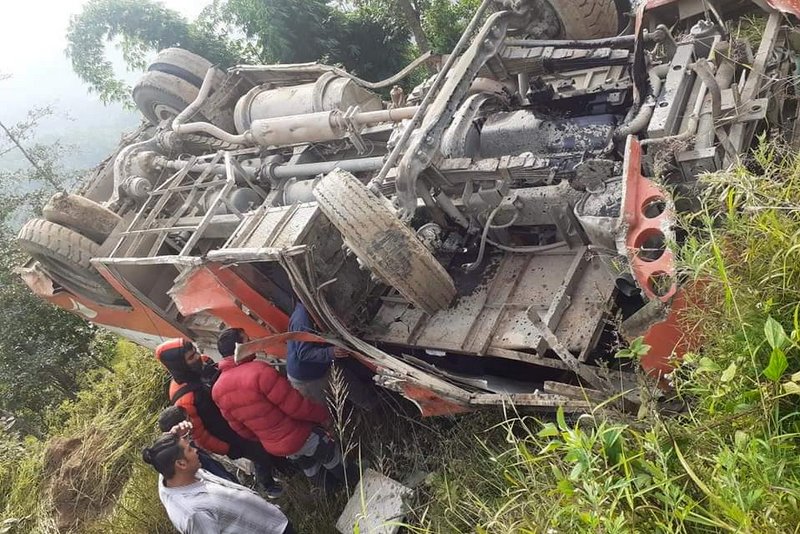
pixel 198 502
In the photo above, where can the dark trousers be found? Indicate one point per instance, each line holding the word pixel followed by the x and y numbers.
pixel 264 461
pixel 208 463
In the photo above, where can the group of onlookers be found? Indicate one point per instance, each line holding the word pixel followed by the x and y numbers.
pixel 241 407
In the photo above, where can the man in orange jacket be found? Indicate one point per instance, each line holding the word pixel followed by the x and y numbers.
pixel 192 377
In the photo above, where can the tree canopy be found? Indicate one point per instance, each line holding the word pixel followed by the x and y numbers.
pixel 370 38
pixel 44 351
pixel 140 26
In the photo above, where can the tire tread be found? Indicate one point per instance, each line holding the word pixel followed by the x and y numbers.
pixel 360 217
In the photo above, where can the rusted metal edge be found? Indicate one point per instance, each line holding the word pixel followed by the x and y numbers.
pixel 254 254
pixel 532 400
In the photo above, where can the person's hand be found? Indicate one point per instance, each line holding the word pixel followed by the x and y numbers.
pixel 339 352
pixel 182 429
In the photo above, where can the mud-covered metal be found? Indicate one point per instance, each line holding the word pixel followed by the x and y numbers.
pixel 475 247
pixel 426 141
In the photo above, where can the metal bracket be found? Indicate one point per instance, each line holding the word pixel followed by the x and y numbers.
pixel 672 101
pixel 353 129
pixel 426 142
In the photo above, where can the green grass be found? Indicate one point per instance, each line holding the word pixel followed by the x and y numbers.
pixel 74 480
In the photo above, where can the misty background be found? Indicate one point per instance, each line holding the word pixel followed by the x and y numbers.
pixel 37 73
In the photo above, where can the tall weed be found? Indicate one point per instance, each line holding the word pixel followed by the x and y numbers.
pixel 76 477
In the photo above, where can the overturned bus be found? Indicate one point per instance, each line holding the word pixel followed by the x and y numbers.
pixel 481 238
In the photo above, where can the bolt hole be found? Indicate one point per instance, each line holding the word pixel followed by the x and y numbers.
pixel 677 68
pixel 654 207
pixel 660 283
pixel 651 245
pixel 756 108
pixel 663 104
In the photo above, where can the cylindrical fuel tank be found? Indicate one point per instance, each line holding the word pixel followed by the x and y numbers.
pixel 522 131
pixel 329 92
pixel 295 129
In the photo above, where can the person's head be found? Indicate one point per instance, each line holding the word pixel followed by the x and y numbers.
pixel 181 359
pixel 171 455
pixel 227 340
pixel 170 417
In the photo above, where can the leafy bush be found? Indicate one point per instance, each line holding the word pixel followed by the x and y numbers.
pixel 444 21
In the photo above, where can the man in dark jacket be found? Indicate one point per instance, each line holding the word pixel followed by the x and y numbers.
pixel 190 389
pixel 308 365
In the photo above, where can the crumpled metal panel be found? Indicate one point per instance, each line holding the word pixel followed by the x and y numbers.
pixel 493 312
pixel 786 6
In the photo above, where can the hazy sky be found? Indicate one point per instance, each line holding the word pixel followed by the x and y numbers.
pixel 38 27
pixel 32 43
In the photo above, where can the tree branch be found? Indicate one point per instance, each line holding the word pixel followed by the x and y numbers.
pixel 46 175
pixel 412 17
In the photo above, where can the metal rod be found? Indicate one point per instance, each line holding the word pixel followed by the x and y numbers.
pixel 195 237
pixel 282 171
pixel 323 167
pixel 385 115
pixel 314 69
pixel 429 96
pixel 623 41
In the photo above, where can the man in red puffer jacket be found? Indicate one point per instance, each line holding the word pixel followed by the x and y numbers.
pixel 261 404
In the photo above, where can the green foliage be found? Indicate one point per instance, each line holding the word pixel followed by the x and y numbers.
pixel 374 42
pixel 43 350
pixel 444 22
pixel 366 40
pixel 141 26
pixel 108 424
pixel 286 32
pixel 635 350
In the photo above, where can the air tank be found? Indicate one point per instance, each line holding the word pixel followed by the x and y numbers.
pixel 329 92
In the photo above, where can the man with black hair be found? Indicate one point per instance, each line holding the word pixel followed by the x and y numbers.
pixel 228 339
pixel 192 379
pixel 171 417
pixel 198 502
pixel 260 404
